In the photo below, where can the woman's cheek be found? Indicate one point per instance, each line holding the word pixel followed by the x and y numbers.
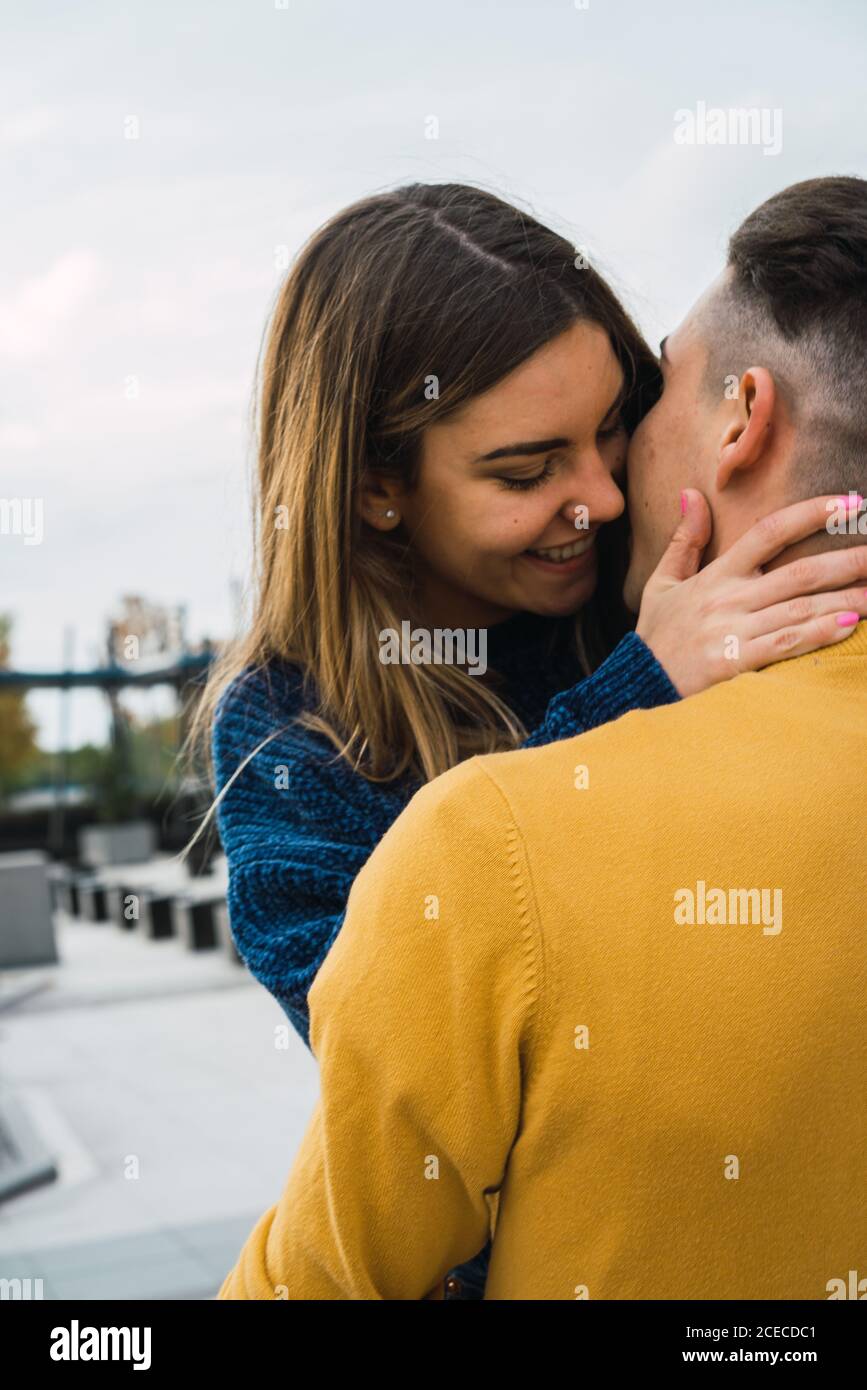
pixel 521 526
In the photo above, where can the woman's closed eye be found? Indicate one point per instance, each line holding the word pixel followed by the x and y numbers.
pixel 524 484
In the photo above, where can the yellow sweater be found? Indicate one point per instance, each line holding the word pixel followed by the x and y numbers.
pixel 518 1004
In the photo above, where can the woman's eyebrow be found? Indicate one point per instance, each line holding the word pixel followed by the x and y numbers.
pixel 542 446
pixel 534 446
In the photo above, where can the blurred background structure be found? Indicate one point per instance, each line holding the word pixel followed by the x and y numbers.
pixel 131 1037
pixel 47 796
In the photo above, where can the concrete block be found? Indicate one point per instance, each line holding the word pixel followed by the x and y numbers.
pixel 194 922
pixel 133 843
pixel 123 905
pixel 91 900
pixel 155 921
pixel 26 923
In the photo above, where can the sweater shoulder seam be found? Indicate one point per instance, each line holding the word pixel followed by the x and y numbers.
pixel 528 914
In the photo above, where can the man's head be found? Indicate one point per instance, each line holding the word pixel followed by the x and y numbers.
pixel 765 381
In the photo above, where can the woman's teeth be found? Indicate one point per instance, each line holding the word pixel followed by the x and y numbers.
pixel 558 553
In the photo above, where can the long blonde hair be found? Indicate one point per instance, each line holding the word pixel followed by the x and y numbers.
pixel 441 282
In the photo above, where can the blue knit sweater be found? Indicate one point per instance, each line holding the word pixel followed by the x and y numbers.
pixel 297 828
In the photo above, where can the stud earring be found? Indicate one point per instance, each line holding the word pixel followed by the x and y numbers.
pixel 391 512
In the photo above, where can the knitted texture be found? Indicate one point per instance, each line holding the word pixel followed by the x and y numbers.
pixel 297 827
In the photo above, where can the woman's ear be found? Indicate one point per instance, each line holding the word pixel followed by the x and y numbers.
pixel 378 501
pixel 748 433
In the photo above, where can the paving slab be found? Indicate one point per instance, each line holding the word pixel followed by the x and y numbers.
pixel 154 1076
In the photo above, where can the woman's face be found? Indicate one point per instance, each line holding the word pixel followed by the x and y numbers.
pixel 501 478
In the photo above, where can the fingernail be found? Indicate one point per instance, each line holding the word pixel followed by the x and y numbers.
pixel 684 502
pixel 852 501
pixel 848 619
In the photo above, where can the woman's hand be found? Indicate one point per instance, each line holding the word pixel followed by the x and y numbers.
pixel 705 626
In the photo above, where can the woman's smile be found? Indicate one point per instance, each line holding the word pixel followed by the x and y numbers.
pixel 561 567
pixel 565 559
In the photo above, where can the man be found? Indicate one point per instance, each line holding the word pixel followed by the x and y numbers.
pixel 617 986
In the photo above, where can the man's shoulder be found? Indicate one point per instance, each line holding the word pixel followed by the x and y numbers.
pixel 460 809
pixel 658 736
pixel 473 803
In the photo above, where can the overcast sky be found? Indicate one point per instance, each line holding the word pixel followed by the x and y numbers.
pixel 148 265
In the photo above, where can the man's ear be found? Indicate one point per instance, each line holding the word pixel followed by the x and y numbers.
pixel 749 433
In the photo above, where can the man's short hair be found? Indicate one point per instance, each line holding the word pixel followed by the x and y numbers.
pixel 795 301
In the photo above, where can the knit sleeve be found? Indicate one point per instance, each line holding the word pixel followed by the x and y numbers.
pixel 294 838
pixel 630 678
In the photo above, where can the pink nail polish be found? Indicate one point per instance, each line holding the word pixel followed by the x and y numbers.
pixel 852 501
pixel 848 619
pixel 683 503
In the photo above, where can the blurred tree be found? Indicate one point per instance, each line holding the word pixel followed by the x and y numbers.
pixel 17 729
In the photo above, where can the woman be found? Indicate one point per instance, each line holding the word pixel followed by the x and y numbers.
pixel 446 400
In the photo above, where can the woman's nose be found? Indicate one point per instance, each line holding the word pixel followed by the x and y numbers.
pixel 598 500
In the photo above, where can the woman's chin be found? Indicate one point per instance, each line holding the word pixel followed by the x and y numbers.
pixel 555 596
pixel 560 605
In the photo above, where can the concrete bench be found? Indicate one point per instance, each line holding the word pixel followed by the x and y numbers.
pixel 122 905
pixel 195 909
pixel 67 892
pixel 132 842
pixel 58 875
pixel 156 921
pixel 194 920
pixel 131 888
pixel 26 923
pixel 92 903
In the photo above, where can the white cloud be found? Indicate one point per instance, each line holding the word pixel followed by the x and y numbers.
pixel 24 127
pixel 17 434
pixel 35 315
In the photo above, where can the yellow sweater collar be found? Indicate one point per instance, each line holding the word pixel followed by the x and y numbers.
pixel 855 645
